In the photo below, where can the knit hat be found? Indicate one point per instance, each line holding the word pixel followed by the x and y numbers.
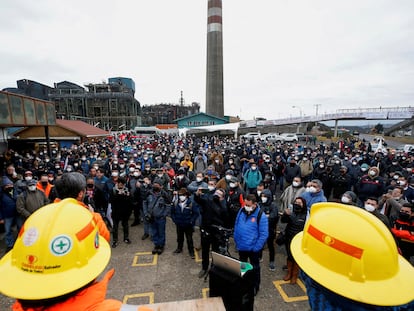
pixel 6 181
pixel 351 195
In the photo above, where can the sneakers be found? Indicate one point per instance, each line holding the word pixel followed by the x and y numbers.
pixel 155 250
pixel 114 244
pixel 145 236
pixel 177 251
pixel 272 266
pixel 127 241
pixel 202 273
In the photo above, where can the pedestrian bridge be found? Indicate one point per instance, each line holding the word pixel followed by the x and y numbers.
pixel 395 113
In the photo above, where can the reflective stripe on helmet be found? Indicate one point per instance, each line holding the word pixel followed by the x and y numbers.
pixel 335 243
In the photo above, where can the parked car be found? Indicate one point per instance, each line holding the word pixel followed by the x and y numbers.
pixel 273 137
pixel 251 135
pixel 290 137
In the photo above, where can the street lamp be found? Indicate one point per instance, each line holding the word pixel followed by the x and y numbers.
pixel 300 110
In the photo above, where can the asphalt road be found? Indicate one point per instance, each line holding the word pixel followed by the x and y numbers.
pixel 142 278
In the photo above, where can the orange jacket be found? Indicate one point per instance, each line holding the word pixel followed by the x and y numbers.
pixel 97 218
pixel 45 191
pixel 89 298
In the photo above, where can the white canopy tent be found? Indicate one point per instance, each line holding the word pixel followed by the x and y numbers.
pixel 234 127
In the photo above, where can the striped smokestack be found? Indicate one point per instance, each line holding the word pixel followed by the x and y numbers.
pixel 214 87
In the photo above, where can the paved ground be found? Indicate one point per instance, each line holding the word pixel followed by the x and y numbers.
pixel 142 278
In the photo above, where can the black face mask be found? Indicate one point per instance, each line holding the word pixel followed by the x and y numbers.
pixel 404 216
pixel 156 189
pixel 44 183
pixel 90 186
pixel 297 208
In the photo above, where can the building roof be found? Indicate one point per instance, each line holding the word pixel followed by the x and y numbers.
pixel 202 114
pixel 81 128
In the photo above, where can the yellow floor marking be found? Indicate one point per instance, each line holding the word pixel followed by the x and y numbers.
pixel 286 298
pixel 150 296
pixel 136 259
pixel 206 292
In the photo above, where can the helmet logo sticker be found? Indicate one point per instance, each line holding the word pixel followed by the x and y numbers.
pixel 30 236
pixel 61 245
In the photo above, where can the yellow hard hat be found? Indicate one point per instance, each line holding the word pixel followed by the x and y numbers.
pixel 58 251
pixel 352 253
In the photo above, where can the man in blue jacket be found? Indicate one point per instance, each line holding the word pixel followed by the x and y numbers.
pixel 250 235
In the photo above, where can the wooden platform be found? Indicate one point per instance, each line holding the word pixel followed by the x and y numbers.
pixel 205 304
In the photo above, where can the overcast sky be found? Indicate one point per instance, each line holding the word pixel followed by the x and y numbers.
pixel 277 53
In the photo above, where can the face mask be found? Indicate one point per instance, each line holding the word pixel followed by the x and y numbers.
pixel 44 183
pixel 50 179
pixel 404 216
pixel 345 200
pixel 90 186
pixel 230 161
pixel 321 165
pixel 132 169
pixel 395 177
pixel 121 165
pixel 254 168
pixel 180 177
pixel 248 209
pixel 211 188
pixel 83 159
pixel 370 208
pixel 32 188
pixel 199 179
pixel 136 174
pixel 27 178
pixel 114 174
pixel 75 164
pixel 292 164
pixel 145 158
pixel 305 159
pixel 372 173
pixel 156 189
pixel 259 192
pixel 232 185
pixel 264 199
pixel 182 198
pixel 337 162
pixel 297 208
pixel 295 184
pixel 217 161
pixel 363 169
pixel 228 177
pixel 311 189
pixel 69 170
pixel 394 163
pixel 354 163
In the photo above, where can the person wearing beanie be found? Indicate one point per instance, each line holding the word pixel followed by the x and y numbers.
pixel 370 185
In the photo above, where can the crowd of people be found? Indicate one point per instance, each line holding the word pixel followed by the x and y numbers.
pixel 207 182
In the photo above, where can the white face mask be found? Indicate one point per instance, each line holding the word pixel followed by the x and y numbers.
pixel 199 179
pixel 370 208
pixel 27 178
pixel 295 184
pixel 217 161
pixel 228 177
pixel 311 189
pixel 131 169
pixel 254 168
pixel 372 173
pixel 136 174
pixel 264 199
pixel 211 188
pixel 259 192
pixel 121 165
pixel 32 188
pixel 232 185
pixel 345 200
pixel 248 209
pixel 182 198
pixel 114 174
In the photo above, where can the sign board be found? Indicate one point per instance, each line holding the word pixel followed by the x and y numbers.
pixel 19 110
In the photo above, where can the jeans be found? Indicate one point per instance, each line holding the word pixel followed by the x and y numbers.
pixel 158 231
pixel 8 224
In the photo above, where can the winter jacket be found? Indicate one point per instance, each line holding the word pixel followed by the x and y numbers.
pixel 213 212
pixel 312 198
pixel 185 213
pixel 89 298
pixel 158 204
pixel 30 201
pixel 249 235
pixel 252 178
pixel 8 204
pixel 369 187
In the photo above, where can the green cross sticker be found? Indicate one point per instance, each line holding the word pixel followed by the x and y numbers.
pixel 61 245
